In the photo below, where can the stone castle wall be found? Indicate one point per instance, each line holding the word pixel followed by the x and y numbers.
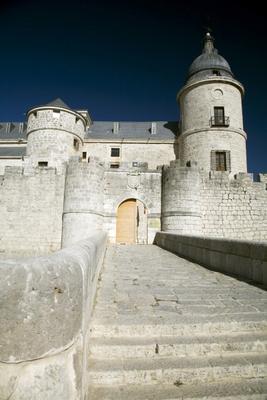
pixel 51 134
pixel 202 97
pixel 83 205
pixel 199 137
pixel 197 147
pixel 214 204
pixel 181 199
pixel 153 154
pixel 234 208
pixel 31 206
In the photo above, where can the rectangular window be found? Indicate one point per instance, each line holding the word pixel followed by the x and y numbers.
pixel 115 166
pixel 76 144
pixel 115 152
pixel 220 160
pixel 219 118
pixel 42 163
pixel 84 155
pixel 56 113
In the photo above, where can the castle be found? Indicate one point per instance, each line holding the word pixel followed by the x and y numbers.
pixel 63 175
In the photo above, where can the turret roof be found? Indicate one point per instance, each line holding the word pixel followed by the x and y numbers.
pixel 209 60
pixel 57 103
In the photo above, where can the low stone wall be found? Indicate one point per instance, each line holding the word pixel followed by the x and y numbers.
pixel 46 305
pixel 245 259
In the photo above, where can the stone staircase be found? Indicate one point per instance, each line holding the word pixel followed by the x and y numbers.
pixel 165 329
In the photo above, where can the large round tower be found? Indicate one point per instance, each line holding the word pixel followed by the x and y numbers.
pixel 211 115
pixel 54 133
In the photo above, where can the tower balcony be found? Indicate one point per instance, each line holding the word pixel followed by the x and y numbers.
pixel 219 121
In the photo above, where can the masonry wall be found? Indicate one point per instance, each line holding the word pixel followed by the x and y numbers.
pixel 152 153
pixel 46 306
pixel 4 162
pixel 199 137
pixel 195 202
pixel 51 134
pixel 197 147
pixel 234 208
pixel 181 209
pixel 83 204
pixel 31 206
pixel 143 185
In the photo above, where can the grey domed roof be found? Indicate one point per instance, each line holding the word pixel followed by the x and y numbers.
pixel 209 60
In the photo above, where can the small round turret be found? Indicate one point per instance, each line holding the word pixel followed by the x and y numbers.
pixel 211 114
pixel 54 133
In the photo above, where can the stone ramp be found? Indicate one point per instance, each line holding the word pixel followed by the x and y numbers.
pixel 164 328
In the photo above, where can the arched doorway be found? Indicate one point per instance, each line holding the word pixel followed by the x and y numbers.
pixel 131 226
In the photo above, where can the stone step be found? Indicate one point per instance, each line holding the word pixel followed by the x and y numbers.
pixel 232 389
pixel 171 370
pixel 187 326
pixel 113 348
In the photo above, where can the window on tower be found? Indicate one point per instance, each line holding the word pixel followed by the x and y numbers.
pixel 76 144
pixel 220 160
pixel 219 118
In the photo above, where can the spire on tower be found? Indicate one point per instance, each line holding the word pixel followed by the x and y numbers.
pixel 208 44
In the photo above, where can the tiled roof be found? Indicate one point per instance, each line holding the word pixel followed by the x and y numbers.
pixel 12 130
pixel 132 130
pixel 104 130
pixel 18 151
pixel 57 103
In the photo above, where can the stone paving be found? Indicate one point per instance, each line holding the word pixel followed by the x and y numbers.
pixel 161 324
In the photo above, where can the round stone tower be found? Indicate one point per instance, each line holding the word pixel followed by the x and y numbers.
pixel 54 134
pixel 211 115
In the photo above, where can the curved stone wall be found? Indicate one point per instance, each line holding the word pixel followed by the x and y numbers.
pixel 198 145
pixel 46 305
pixel 54 135
pixel 180 199
pixel 83 204
pixel 198 134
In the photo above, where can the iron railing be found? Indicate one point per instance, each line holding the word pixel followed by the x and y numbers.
pixel 219 121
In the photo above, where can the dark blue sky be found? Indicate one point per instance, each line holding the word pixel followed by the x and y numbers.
pixel 127 60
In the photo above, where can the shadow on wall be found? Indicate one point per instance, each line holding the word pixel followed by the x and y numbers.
pixel 173 126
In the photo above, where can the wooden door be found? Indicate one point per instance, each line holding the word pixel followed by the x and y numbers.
pixel 126 222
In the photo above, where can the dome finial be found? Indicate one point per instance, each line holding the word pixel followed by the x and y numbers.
pixel 208 43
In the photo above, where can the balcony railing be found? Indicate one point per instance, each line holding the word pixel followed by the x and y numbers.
pixel 219 121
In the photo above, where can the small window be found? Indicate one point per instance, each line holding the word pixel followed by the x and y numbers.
pixel 84 155
pixel 76 144
pixel 220 160
pixel 35 114
pixel 115 152
pixel 115 166
pixel 42 163
pixel 216 72
pixel 56 113
pixel 219 115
